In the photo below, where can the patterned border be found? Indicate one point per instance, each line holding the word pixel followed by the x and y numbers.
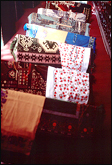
pixel 38 58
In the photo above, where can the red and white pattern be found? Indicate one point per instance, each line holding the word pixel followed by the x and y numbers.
pixel 67 85
pixel 74 57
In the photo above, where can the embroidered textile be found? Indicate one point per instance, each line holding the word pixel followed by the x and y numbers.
pixel 67 85
pixel 20 118
pixel 33 50
pixel 74 57
pixel 65 14
pixel 71 119
pixel 8 75
pixel 61 36
pixel 66 24
pixel 16 143
pixel 29 81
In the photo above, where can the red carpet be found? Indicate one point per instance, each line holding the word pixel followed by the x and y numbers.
pixel 97 151
pixel 102 74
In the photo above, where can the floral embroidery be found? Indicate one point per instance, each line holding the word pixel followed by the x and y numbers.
pixel 72 57
pixel 71 86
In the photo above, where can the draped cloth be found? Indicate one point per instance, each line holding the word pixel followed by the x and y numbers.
pixel 82 8
pixel 81 40
pixel 24 77
pixel 74 57
pixel 33 50
pixel 67 85
pixel 65 14
pixel 20 118
pixel 46 33
pixel 66 24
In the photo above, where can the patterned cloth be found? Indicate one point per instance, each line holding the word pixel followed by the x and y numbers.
pixel 71 119
pixel 66 24
pixel 43 20
pixel 8 75
pixel 60 36
pixel 20 118
pixel 58 14
pixel 67 85
pixel 25 77
pixel 74 57
pixel 33 50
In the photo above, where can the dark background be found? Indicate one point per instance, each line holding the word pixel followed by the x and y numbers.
pixel 11 12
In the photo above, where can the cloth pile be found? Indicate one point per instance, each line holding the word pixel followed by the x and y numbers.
pixel 53 61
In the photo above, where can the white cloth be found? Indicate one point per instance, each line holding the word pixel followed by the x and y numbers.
pixel 67 85
pixel 74 57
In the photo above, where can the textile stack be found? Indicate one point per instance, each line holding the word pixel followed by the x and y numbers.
pixel 54 61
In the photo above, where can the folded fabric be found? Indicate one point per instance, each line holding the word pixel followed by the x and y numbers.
pixel 45 33
pixel 81 40
pixel 67 85
pixel 74 57
pixel 59 13
pixel 66 24
pixel 60 36
pixel 33 50
pixel 20 118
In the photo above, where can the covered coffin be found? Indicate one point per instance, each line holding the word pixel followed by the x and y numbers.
pixel 66 24
pixel 62 14
pixel 20 117
pixel 34 50
pixel 46 33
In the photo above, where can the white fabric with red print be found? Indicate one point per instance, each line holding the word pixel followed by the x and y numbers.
pixel 67 85
pixel 74 57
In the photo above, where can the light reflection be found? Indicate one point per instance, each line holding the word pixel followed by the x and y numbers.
pixel 5 52
pixel 93 11
pixel 7 57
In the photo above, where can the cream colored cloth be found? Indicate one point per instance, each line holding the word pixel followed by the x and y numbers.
pixel 21 114
pixel 50 34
